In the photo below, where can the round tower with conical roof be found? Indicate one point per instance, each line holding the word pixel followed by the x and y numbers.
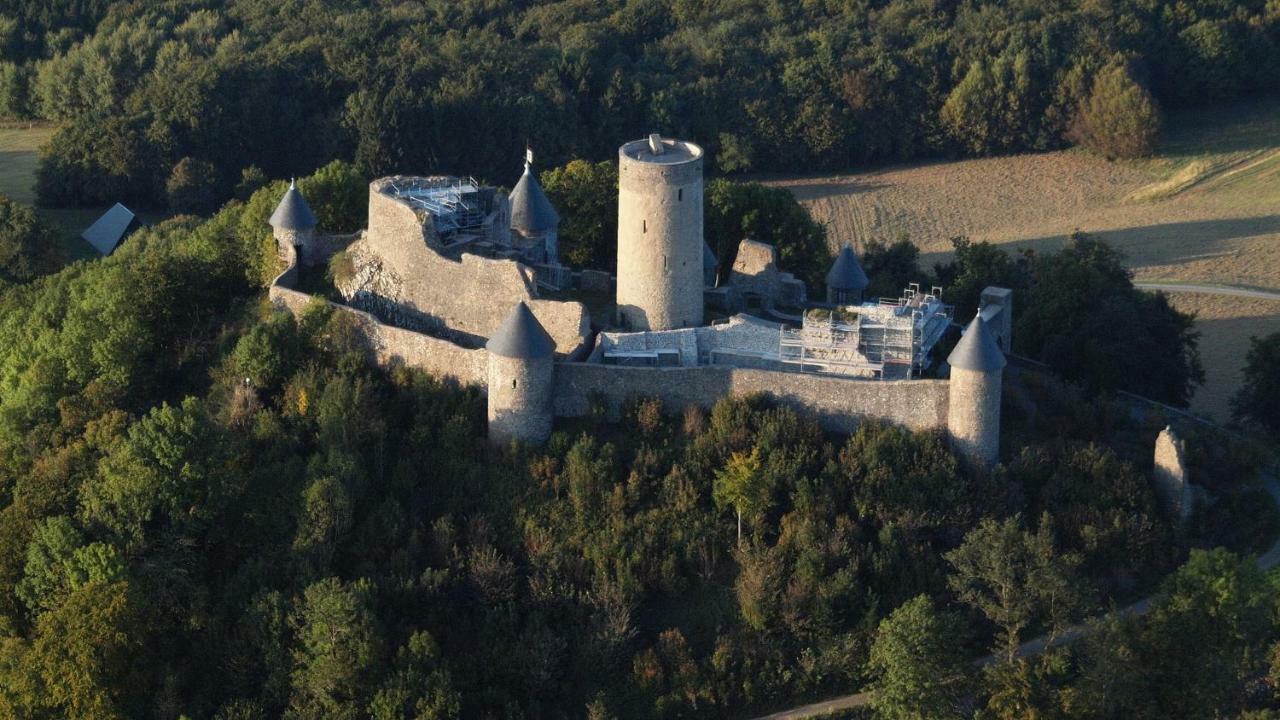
pixel 521 372
pixel 294 226
pixel 846 280
pixel 660 245
pixel 973 411
pixel 533 218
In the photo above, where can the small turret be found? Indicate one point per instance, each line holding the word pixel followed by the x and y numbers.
pixel 521 372
pixel 846 279
pixel 533 218
pixel 973 414
pixel 293 225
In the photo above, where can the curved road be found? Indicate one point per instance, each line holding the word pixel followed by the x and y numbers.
pixel 1266 561
pixel 1210 290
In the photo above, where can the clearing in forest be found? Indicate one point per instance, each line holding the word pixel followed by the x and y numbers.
pixel 18 145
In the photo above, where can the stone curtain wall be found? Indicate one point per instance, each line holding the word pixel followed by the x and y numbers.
pixel 839 404
pixel 390 346
pixel 471 295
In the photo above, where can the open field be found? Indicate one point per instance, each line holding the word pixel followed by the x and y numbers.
pixel 18 145
pixel 1205 209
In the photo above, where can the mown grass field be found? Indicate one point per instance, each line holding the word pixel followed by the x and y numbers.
pixel 19 146
pixel 1205 208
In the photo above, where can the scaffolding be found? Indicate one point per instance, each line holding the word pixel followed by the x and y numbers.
pixel 888 339
pixel 454 203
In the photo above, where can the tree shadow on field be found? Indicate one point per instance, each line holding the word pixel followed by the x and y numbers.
pixel 1224 343
pixel 1239 126
pixel 1208 235
pixel 821 188
pixel 17 174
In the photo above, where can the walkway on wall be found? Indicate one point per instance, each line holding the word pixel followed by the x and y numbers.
pixel 1266 561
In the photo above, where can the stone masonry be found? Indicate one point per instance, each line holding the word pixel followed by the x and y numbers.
pixel 470 295
pixel 659 234
pixel 1171 481
pixel 395 262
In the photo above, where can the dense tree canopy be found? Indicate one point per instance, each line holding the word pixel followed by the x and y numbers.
pixel 461 87
pixel 28 247
pixel 1258 399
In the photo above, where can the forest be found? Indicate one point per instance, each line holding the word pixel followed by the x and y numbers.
pixel 210 509
pixel 160 102
pixel 213 510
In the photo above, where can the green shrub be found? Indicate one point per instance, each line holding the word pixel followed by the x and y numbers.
pixel 1119 118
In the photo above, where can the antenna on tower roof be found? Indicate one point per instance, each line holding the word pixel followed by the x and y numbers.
pixel 528 156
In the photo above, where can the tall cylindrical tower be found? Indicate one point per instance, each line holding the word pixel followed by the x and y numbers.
pixel 973 411
pixel 521 372
pixel 659 234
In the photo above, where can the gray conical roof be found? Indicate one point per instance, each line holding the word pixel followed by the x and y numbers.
pixel 709 259
pixel 977 350
pixel 846 273
pixel 531 211
pixel 521 336
pixel 293 213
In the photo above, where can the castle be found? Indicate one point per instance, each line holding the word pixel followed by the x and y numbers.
pixel 459 280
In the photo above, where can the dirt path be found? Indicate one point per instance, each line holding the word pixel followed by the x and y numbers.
pixel 1210 290
pixel 1266 561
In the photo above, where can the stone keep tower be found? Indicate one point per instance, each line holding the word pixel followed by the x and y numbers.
pixel 973 411
pixel 520 377
pixel 294 226
pixel 660 246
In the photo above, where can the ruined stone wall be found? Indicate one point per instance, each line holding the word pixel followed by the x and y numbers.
pixel 1171 482
pixel 660 238
pixel 974 418
pixel 839 404
pixel 755 270
pixel 390 346
pixel 393 263
pixel 520 404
